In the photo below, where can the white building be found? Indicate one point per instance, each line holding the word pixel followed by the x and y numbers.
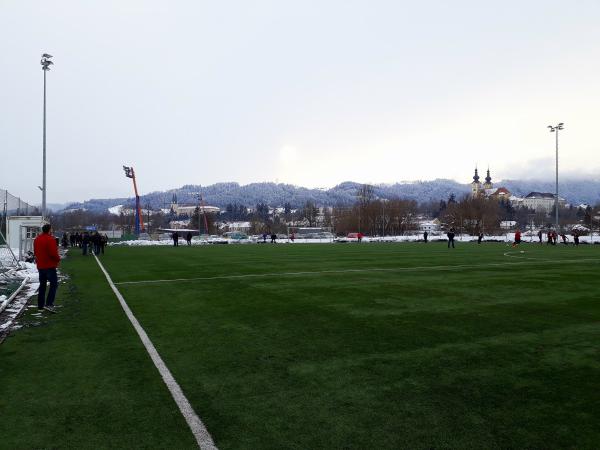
pixel 188 210
pixel 542 201
pixel 243 227
pixel 429 225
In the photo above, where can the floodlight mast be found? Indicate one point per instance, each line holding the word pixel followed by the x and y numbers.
pixel 556 129
pixel 46 63
pixel 139 218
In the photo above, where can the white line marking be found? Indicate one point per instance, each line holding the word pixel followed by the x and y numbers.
pixel 375 269
pixel 200 432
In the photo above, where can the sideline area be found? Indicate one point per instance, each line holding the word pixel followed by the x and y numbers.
pixel 82 379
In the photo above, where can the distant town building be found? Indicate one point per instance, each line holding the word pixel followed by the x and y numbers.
pixel 429 225
pixel 188 210
pixel 542 201
pixel 243 227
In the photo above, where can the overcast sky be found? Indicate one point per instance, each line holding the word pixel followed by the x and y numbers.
pixel 306 92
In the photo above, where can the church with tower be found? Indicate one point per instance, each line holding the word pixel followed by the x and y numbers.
pixel 487 189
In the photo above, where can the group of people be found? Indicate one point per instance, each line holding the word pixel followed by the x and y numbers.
pixel 552 237
pixel 89 243
pixel 273 238
pixel 175 237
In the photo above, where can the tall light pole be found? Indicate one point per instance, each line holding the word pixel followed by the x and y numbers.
pixel 556 129
pixel 46 63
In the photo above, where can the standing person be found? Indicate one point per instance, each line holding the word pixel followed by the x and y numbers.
pixel 480 237
pixel 273 238
pixel 450 235
pixel 188 238
pixel 175 237
pixel 517 238
pixel 564 238
pixel 85 241
pixel 540 236
pixel 96 239
pixel 64 241
pixel 264 238
pixel 103 242
pixel 47 260
pixel 292 237
pixel 425 236
pixel 359 236
pixel 576 238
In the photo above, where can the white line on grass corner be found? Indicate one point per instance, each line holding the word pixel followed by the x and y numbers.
pixel 198 429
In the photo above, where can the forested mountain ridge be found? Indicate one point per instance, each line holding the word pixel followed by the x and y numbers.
pixel 277 194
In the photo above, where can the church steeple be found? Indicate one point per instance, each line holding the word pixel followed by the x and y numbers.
pixel 475 185
pixel 488 181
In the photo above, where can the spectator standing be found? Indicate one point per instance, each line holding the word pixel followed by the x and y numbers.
pixel 103 242
pixel 451 235
pixel 175 237
pixel 85 242
pixel 480 237
pixel 47 260
pixel 425 234
pixel 540 236
pixel 188 238
pixel 96 239
pixel 64 241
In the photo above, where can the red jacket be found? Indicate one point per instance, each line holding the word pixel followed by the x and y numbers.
pixel 46 251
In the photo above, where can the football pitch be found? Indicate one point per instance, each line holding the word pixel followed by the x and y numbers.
pixel 314 346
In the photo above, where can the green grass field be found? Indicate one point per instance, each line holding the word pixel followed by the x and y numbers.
pixel 315 346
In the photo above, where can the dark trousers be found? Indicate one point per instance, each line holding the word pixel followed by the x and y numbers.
pixel 85 248
pixel 450 242
pixel 45 276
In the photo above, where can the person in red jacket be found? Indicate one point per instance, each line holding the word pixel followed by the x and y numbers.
pixel 517 238
pixel 47 259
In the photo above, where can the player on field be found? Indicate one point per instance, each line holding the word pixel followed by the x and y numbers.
pixel 517 238
pixel 450 235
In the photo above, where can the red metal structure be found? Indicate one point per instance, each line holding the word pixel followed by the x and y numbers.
pixel 139 219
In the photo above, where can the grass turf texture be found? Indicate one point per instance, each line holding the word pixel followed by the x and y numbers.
pixel 478 350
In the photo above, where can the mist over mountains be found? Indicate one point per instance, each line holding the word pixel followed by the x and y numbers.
pixel 276 194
